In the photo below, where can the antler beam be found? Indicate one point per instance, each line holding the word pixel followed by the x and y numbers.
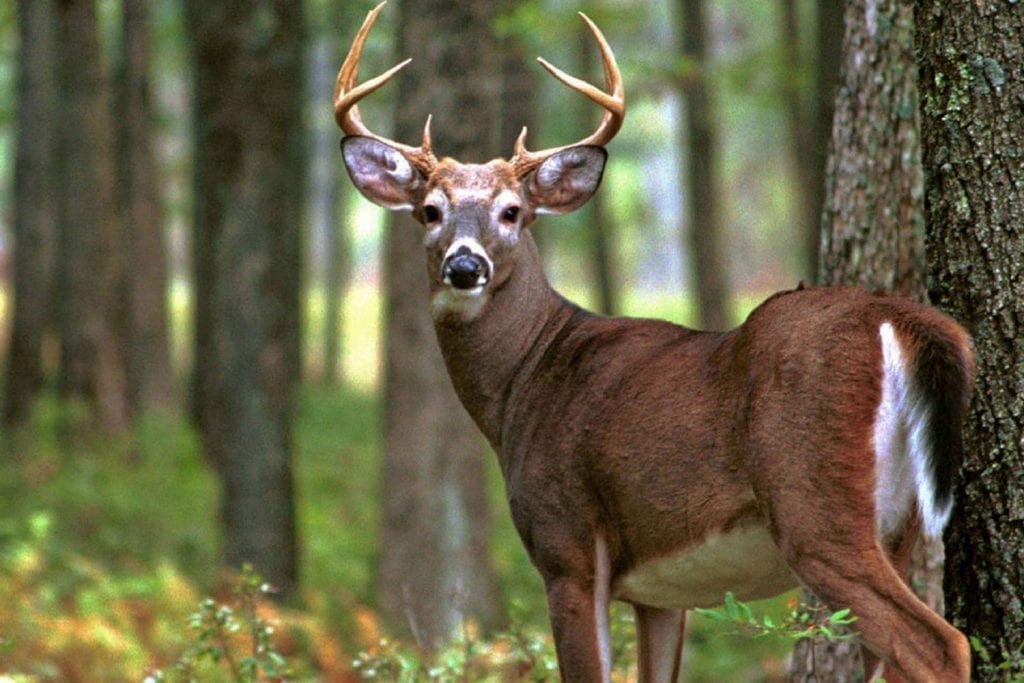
pixel 612 98
pixel 347 94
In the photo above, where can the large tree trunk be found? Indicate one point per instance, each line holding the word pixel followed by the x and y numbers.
pixel 873 222
pixel 91 240
pixel 35 208
pixel 150 378
pixel 703 199
pixel 971 62
pixel 434 567
pixel 248 197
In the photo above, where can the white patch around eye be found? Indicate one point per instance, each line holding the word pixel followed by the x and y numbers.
pixel 440 200
pixel 509 232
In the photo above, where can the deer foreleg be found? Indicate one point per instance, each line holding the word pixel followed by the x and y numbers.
pixel 659 634
pixel 579 620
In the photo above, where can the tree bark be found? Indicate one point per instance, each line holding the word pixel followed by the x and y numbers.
pixel 698 136
pixel 150 377
pixel 35 208
pixel 91 234
pixel 434 568
pixel 971 66
pixel 873 226
pixel 248 175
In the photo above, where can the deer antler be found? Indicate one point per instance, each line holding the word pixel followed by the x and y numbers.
pixel 613 99
pixel 347 94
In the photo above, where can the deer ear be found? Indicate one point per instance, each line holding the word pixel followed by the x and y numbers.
pixel 381 173
pixel 566 179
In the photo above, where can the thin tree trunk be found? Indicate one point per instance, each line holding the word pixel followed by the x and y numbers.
pixel 328 200
pixel 971 65
pixel 434 570
pixel 150 377
pixel 35 208
pixel 91 235
pixel 248 195
pixel 595 214
pixel 703 198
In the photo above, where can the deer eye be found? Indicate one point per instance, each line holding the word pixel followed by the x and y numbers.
pixel 431 214
pixel 510 214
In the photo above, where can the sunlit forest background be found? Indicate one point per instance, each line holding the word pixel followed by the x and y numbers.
pixel 119 510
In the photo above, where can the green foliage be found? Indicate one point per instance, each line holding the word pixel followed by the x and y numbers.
pixel 237 639
pixel 803 621
pixel 1008 667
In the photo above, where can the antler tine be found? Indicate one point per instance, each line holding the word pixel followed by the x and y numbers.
pixel 347 94
pixel 612 99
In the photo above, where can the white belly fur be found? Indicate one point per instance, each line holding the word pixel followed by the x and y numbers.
pixel 744 561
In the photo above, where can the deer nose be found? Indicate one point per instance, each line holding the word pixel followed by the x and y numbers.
pixel 465 270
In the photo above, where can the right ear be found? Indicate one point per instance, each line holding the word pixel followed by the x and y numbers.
pixel 381 173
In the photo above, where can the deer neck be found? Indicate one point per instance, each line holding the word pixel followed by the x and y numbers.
pixel 485 356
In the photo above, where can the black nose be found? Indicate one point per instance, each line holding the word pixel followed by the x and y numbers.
pixel 464 269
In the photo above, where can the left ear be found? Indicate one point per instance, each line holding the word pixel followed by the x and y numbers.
pixel 566 179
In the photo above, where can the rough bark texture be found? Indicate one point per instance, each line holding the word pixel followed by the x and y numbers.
pixel 248 194
pixel 35 208
pixel 150 378
pixel 971 66
pixel 91 239
pixel 434 570
pixel 699 138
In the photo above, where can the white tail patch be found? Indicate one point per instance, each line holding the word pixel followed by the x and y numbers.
pixel 902 448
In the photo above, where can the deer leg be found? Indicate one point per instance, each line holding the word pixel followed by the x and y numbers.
pixel 913 641
pixel 659 634
pixel 899 556
pixel 579 620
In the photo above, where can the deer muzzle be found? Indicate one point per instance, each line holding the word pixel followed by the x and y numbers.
pixel 465 269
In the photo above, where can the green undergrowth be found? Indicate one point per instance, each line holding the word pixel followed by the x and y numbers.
pixel 109 548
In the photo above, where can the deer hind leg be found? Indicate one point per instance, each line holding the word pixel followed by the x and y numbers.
pixel 900 553
pixel 659 634
pixel 912 640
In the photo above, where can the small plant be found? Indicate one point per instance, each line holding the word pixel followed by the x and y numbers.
pixel 1009 668
pixel 803 622
pixel 236 638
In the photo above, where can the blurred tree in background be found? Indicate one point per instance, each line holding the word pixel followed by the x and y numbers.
pixel 90 263
pixel 248 188
pixel 149 373
pixel 434 562
pixel 35 210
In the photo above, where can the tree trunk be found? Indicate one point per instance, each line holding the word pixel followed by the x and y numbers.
pixel 873 223
pixel 150 378
pixel 971 65
pixel 595 214
pixel 703 199
pixel 91 239
pixel 434 567
pixel 248 195
pixel 328 197
pixel 35 208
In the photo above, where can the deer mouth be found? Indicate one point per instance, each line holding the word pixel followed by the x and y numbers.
pixel 466 267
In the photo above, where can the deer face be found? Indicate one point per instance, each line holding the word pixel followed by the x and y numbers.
pixel 472 214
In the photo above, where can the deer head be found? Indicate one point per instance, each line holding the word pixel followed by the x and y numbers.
pixel 473 214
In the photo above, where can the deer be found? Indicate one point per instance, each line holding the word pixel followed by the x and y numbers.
pixel 663 466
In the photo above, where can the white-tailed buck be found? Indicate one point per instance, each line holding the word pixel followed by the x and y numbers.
pixel 663 466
